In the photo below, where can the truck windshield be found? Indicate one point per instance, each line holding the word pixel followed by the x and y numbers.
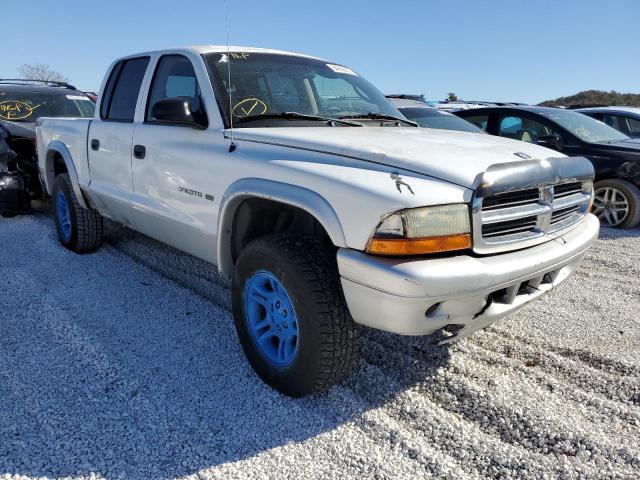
pixel 266 84
pixel 24 105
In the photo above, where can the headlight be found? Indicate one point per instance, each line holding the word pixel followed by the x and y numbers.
pixel 418 231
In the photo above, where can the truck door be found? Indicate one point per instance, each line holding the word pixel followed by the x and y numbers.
pixel 110 139
pixel 176 179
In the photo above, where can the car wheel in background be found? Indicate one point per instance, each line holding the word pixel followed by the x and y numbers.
pixel 79 229
pixel 291 316
pixel 616 203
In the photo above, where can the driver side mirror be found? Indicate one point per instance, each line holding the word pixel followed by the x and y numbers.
pixel 550 141
pixel 177 111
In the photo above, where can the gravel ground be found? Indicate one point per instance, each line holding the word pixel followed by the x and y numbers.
pixel 125 364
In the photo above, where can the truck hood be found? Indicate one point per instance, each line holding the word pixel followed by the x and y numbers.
pixel 456 157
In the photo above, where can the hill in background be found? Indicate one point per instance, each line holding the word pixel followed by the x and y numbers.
pixel 595 97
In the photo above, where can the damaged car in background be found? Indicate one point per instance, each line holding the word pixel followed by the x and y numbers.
pixel 22 102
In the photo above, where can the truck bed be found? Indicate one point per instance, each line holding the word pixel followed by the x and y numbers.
pixel 71 135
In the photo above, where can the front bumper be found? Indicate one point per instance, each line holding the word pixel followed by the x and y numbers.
pixel 457 295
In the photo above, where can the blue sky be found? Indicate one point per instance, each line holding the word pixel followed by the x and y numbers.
pixel 508 50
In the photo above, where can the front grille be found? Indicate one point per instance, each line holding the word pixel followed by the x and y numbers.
pixel 511 227
pixel 563 214
pixel 502 200
pixel 566 189
pixel 515 219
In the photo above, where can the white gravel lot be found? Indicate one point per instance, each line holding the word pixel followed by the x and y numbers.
pixel 125 364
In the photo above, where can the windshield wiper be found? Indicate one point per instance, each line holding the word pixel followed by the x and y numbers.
pixel 379 116
pixel 298 116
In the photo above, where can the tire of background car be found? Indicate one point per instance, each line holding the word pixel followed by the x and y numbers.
pixel 79 229
pixel 617 203
pixel 291 316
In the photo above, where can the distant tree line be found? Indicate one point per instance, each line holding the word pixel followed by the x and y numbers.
pixel 595 97
pixel 40 71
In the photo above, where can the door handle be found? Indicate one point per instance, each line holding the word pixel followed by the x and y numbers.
pixel 95 144
pixel 139 151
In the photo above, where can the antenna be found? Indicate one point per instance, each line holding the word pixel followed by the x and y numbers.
pixel 232 145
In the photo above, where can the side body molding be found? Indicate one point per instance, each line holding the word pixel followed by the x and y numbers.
pixel 286 193
pixel 58 147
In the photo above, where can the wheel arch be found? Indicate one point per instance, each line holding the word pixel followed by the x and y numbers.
pixel 285 194
pixel 57 155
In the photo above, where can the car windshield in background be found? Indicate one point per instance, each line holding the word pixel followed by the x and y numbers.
pixel 27 106
pixel 432 118
pixel 265 84
pixel 585 127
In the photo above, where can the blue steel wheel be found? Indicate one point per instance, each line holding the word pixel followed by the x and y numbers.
pixel 271 319
pixel 302 351
pixel 63 216
pixel 79 229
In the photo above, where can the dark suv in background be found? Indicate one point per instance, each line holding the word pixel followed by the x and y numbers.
pixel 615 156
pixel 22 102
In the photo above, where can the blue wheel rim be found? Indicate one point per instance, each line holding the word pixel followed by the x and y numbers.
pixel 63 216
pixel 271 319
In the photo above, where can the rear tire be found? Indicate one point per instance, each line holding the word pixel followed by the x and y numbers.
pixel 289 288
pixel 79 230
pixel 617 203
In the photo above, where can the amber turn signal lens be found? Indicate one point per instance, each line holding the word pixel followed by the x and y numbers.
pixel 419 246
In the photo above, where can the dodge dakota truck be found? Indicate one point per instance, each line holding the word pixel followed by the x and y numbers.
pixel 324 207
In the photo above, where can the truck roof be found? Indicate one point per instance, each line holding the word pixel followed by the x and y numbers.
pixel 203 49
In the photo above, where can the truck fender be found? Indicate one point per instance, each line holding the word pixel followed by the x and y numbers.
pixel 60 148
pixel 293 195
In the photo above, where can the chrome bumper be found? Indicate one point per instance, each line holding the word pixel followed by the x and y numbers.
pixel 458 295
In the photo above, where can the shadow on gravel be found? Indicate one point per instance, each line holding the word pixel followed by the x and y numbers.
pixel 133 369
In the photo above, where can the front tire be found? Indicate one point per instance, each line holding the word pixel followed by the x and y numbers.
pixel 291 316
pixel 79 229
pixel 616 203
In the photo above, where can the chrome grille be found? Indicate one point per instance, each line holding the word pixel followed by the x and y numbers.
pixel 566 189
pixel 502 200
pixel 509 227
pixel 520 218
pixel 563 214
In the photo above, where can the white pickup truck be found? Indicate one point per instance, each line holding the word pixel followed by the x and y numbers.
pixel 324 206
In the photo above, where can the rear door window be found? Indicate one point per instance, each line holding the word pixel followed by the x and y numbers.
pixel 616 121
pixel 634 126
pixel 121 98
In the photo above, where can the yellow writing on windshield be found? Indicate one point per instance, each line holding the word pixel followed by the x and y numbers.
pixel 249 106
pixel 16 110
